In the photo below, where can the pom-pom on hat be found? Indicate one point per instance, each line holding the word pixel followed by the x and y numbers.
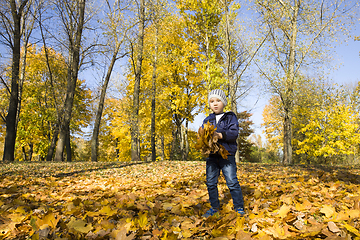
pixel 218 93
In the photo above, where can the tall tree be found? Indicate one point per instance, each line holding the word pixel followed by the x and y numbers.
pixel 135 144
pixel 13 31
pixel 153 86
pixel 327 125
pixel 300 33
pixel 236 56
pixel 202 25
pixel 244 145
pixel 116 33
pixel 72 14
pixel 38 117
pixel 52 87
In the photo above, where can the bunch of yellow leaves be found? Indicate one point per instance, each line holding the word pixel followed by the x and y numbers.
pixel 208 143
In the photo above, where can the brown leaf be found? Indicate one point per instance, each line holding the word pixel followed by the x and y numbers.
pixel 121 235
pixel 333 228
pixel 207 142
pixel 243 235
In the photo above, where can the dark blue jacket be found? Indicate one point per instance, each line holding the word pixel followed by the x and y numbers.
pixel 228 126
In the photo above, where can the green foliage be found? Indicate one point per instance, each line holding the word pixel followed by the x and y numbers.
pixel 262 155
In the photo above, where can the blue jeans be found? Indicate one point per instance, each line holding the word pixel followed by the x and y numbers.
pixel 215 163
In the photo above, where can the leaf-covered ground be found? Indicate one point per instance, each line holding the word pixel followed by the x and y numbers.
pixel 165 200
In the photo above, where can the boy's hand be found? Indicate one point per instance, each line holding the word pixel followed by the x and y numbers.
pixel 217 136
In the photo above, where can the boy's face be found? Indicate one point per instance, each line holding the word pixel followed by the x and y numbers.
pixel 216 105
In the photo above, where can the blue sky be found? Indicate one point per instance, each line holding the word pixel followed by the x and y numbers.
pixel 349 58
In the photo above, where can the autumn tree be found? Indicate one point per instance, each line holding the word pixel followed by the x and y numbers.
pixel 115 137
pixel 115 32
pixel 183 86
pixel 13 15
pixel 202 20
pixel 38 118
pixel 301 32
pixel 244 145
pixel 137 58
pixel 272 122
pixel 177 93
pixel 72 14
pixel 328 125
pixel 325 125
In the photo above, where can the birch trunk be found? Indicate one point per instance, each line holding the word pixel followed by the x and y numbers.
pixel 135 150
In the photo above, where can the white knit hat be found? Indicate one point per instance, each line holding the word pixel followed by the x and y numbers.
pixel 218 94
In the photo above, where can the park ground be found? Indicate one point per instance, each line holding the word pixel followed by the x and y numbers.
pixel 166 199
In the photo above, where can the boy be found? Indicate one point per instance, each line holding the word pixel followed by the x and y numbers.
pixel 227 133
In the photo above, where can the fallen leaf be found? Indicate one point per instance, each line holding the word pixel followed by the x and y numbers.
pixel 167 206
pixel 106 210
pixel 257 194
pixel 284 210
pixel 79 225
pixel 352 229
pixel 328 211
pixel 333 228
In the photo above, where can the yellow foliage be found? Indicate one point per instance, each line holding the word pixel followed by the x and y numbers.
pixel 324 123
pixel 273 118
pixel 42 99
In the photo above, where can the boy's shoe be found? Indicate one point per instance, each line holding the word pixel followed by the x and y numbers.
pixel 240 211
pixel 210 212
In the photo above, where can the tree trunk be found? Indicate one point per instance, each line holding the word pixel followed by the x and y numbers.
pixel 135 150
pixel 187 150
pixel 11 118
pixel 24 153
pixel 153 99
pixel 31 151
pixel 182 142
pixel 95 136
pixel 287 139
pixel 288 95
pixel 74 60
pixel 117 151
pixel 49 156
pixel 153 129
pixel 21 83
pixel 54 139
pixel 162 147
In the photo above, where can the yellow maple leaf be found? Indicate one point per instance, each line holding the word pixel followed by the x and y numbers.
pixel 284 210
pixel 303 206
pixel 328 211
pixel 106 210
pixel 143 220
pixel 257 194
pixel 79 225
pixel 50 219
